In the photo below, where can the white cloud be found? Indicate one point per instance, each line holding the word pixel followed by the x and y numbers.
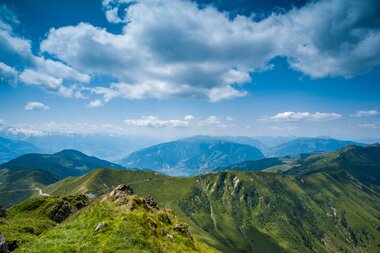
pixel 8 75
pixel 95 103
pixel 187 121
pixel 213 121
pixel 301 116
pixel 188 117
pixel 155 122
pixel 175 48
pixel 112 16
pixel 206 54
pixel 366 113
pixel 32 77
pixel 370 125
pixel 30 106
pixel 25 131
pixel 36 70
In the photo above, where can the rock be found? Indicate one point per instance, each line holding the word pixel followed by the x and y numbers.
pixel 80 201
pixel 184 229
pixel 3 244
pixel 151 203
pixel 99 227
pixel 3 212
pixel 124 188
pixel 130 207
pixel 60 211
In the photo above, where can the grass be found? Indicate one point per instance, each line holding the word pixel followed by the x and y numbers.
pixel 142 229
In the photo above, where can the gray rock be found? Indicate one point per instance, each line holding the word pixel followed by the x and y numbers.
pixel 150 202
pixel 99 227
pixel 60 211
pixel 125 188
pixel 3 244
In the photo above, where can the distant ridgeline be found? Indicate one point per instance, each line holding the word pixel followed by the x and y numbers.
pixel 322 202
pixel 24 176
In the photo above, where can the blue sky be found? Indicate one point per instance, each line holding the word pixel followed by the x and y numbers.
pixel 176 68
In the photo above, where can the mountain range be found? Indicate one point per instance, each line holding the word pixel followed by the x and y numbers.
pixel 323 205
pixel 186 157
pixel 106 146
pixel 323 202
pixel 24 176
pixel 10 149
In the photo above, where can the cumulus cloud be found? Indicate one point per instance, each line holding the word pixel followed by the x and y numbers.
pixel 301 116
pixel 30 106
pixel 366 113
pixel 174 48
pixel 36 70
pixel 187 121
pixel 95 103
pixel 213 121
pixel 25 131
pixel 155 122
pixel 8 75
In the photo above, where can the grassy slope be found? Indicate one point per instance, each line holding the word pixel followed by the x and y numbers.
pixel 25 221
pixel 257 211
pixel 143 229
pixel 20 185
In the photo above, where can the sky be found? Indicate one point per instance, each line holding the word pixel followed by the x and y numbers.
pixel 177 68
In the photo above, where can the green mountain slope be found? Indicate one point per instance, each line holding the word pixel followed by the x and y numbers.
pixel 186 157
pixel 361 162
pixel 323 211
pixel 24 176
pixel 20 185
pixel 308 145
pixel 63 164
pixel 116 222
pixel 261 164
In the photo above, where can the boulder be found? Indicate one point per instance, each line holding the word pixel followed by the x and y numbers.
pixel 125 188
pixel 60 211
pixel 151 203
pixel 99 227
pixel 3 244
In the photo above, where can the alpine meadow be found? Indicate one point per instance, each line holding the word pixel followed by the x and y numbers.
pixel 175 126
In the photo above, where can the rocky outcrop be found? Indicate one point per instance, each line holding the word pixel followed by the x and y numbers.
pixel 63 209
pixel 3 244
pixel 150 202
pixel 122 188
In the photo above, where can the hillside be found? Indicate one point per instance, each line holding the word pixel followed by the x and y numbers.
pixel 323 211
pixel 10 149
pixel 361 162
pixel 24 176
pixel 62 164
pixel 116 222
pixel 20 185
pixel 261 164
pixel 308 145
pixel 186 157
